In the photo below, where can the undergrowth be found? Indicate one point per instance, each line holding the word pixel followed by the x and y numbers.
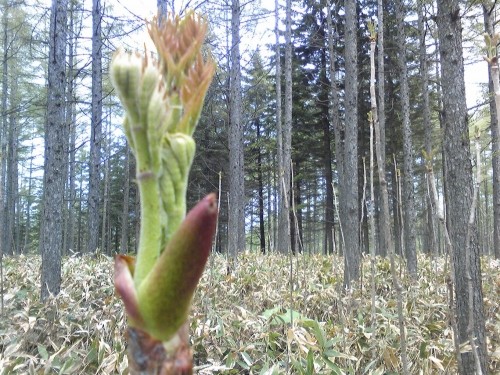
pixel 249 317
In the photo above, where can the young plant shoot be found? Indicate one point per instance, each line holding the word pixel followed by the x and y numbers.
pixel 163 100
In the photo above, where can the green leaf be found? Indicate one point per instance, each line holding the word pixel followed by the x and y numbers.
pixel 270 312
pixel 230 360
pixel 298 366
pixel 310 362
pixel 42 350
pixel 318 332
pixel 247 359
pixel 332 366
pixel 290 315
pixel 423 350
pixel 69 367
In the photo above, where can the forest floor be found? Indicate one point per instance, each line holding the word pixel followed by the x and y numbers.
pixel 250 321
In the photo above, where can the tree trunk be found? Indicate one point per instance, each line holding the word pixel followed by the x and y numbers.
pixel 162 6
pixel 126 197
pixel 408 195
pixel 71 120
pixel 426 119
pixel 349 209
pixel 286 180
pixel 105 224
pixel 338 126
pixel 51 239
pixel 298 206
pixel 236 229
pixel 3 134
pixel 12 190
pixel 458 181
pixel 27 231
pixel 96 129
pixel 327 151
pixel 495 146
pixel 284 244
pixel 384 217
pixel 80 233
pixel 260 177
pixel 282 234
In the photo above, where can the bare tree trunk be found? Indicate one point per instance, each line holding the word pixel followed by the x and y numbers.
pixel 408 195
pixel 51 239
pixel 327 151
pixel 287 123
pixel 384 217
pixel 236 229
pixel 282 234
pixel 458 181
pixel 495 145
pixel 260 177
pixel 105 198
pixel 96 129
pixel 388 244
pixel 71 120
pixel 125 210
pixel 297 209
pixel 338 126
pixel 381 249
pixel 284 244
pixel 80 232
pixel 3 134
pixel 426 119
pixel 162 6
pixel 11 191
pixel 27 231
pixel 349 183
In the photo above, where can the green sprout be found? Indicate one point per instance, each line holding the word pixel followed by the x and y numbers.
pixel 163 100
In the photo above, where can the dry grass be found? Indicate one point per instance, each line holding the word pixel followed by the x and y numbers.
pixel 247 322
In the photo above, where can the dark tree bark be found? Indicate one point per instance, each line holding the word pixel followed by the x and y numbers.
pixel 51 236
pixel 383 216
pixel 260 177
pixel 338 126
pixel 386 244
pixel 285 237
pixel 125 209
pixel 12 191
pixel 287 123
pixel 495 145
pixel 162 6
pixel 105 225
pixel 458 186
pixel 3 133
pixel 349 209
pixel 71 120
pixel 236 226
pixel 27 231
pixel 427 124
pixel 297 195
pixel 327 151
pixel 96 129
pixel 408 194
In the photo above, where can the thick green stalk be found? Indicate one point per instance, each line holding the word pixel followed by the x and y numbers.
pixel 150 232
pixel 147 179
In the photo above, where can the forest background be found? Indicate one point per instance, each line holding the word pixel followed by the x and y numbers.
pixel 285 136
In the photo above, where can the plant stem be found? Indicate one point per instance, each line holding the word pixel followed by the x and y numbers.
pixel 150 231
